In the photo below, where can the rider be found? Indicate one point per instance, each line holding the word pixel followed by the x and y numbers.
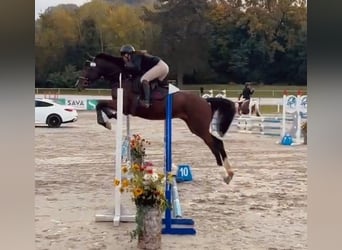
pixel 246 94
pixel 142 63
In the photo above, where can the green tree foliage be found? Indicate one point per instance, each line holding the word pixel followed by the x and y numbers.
pixel 65 79
pixel 183 36
pixel 259 41
pixel 54 31
pixel 68 36
pixel 202 41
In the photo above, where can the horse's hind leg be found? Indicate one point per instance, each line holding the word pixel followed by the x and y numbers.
pixel 216 145
pixel 220 147
pixel 217 148
pixel 213 145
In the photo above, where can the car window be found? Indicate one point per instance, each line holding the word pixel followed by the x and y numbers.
pixel 42 104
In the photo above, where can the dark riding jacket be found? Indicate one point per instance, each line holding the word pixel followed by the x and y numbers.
pixel 246 93
pixel 140 64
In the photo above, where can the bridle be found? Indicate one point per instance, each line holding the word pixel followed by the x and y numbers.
pixel 86 81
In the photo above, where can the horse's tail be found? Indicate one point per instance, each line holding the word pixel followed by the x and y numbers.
pixel 226 112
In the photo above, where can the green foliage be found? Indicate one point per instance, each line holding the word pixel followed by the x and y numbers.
pixel 202 41
pixel 262 42
pixel 183 36
pixel 65 79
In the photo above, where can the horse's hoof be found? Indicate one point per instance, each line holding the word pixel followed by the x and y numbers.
pixel 145 104
pixel 108 125
pixel 227 179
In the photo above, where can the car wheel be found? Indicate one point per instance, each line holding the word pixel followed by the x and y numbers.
pixel 54 121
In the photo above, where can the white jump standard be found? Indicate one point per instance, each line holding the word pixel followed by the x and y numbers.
pixel 119 212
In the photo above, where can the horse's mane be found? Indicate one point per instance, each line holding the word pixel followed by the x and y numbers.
pixel 110 58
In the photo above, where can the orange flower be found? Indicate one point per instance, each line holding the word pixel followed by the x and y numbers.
pixel 136 167
pixel 116 182
pixel 125 183
pixel 124 169
pixel 137 192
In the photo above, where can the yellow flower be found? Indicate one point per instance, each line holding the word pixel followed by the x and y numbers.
pixel 125 183
pixel 137 192
pixel 116 182
pixel 124 169
pixel 170 178
pixel 136 167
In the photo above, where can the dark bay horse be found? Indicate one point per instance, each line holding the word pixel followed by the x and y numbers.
pixel 195 111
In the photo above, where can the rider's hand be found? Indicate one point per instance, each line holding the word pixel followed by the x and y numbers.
pixel 129 65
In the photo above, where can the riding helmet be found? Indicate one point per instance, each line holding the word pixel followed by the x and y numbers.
pixel 127 49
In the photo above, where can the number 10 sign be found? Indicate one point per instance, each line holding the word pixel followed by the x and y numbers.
pixel 183 173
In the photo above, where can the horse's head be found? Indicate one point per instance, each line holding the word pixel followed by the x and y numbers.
pixel 102 65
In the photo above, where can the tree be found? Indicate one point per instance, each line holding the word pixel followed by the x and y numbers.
pixel 65 79
pixel 259 41
pixel 183 35
pixel 54 30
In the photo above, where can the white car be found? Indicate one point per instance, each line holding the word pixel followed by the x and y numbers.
pixel 53 114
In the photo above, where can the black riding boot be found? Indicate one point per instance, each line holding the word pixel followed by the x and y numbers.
pixel 146 87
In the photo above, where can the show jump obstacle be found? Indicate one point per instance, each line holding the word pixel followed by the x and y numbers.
pixel 119 213
pixel 294 113
pixel 171 225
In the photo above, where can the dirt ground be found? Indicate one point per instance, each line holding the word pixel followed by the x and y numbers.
pixel 264 207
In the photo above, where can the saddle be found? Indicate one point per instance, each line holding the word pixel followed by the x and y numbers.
pixel 159 89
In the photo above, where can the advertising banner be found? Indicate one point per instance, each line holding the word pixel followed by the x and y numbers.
pixel 91 104
pixel 78 103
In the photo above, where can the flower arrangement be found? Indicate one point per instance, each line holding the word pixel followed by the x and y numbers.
pixel 146 185
pixel 138 146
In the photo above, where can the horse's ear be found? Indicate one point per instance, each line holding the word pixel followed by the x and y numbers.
pixel 91 57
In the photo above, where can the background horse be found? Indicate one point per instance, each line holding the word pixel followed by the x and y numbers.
pixel 195 111
pixel 244 108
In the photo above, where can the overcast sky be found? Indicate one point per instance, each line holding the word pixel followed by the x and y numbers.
pixel 42 5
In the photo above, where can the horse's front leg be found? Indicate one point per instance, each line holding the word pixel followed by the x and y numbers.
pixel 238 108
pixel 107 106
